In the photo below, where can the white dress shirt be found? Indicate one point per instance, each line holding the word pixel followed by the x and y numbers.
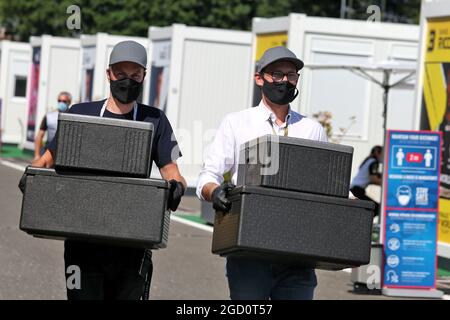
pixel 240 127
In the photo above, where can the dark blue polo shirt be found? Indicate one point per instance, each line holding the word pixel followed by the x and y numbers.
pixel 164 148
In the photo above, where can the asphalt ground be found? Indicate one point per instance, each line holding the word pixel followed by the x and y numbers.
pixel 33 268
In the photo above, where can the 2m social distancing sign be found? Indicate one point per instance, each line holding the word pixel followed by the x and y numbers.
pixel 411 193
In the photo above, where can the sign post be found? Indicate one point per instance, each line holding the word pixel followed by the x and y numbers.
pixel 411 193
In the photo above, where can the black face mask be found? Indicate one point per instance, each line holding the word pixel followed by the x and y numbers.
pixel 125 90
pixel 279 92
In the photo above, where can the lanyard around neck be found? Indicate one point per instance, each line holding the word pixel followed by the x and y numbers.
pixel 134 107
pixel 285 128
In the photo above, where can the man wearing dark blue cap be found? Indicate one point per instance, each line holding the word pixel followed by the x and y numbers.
pixel 107 271
pixel 277 76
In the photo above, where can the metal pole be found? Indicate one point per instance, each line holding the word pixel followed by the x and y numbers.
pixel 386 87
pixel 343 8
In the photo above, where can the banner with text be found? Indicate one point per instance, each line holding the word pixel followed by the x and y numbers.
pixel 411 210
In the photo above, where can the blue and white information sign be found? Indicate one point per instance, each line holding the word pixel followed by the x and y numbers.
pixel 411 208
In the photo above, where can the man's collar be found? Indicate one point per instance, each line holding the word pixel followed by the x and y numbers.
pixel 266 113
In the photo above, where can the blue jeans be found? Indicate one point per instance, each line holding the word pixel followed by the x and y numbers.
pixel 251 279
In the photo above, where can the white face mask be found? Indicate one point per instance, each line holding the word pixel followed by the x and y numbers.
pixel 403 199
pixel 404 195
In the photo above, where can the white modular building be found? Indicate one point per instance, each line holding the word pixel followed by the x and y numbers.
pixel 55 67
pixel 15 60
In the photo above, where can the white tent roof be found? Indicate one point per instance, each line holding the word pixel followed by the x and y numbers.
pixel 389 65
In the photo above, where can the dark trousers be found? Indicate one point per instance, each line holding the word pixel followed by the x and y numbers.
pixel 360 193
pixel 252 279
pixel 106 272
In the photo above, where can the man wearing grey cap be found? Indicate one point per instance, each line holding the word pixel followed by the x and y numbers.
pixel 110 271
pixel 277 76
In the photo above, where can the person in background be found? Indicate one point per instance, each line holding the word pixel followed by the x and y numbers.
pixel 368 174
pixel 49 124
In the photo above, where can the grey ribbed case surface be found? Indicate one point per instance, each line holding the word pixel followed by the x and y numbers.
pixel 107 145
pixel 286 226
pixel 123 211
pixel 296 164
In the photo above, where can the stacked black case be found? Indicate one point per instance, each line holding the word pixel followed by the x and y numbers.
pixel 123 211
pixel 104 145
pixel 94 194
pixel 301 214
pixel 299 228
pixel 301 165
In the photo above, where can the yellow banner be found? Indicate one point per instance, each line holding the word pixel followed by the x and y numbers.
pixel 438 41
pixel 436 108
pixel 434 94
pixel 444 221
pixel 269 40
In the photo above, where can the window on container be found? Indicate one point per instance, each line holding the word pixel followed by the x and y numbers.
pixel 20 86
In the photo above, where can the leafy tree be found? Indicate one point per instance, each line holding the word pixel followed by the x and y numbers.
pixel 400 11
pixel 23 18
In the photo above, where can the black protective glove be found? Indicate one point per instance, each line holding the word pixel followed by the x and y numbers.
pixel 219 197
pixel 176 191
pixel 23 181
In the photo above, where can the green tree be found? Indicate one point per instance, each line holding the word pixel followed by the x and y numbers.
pixel 400 11
pixel 323 8
pixel 24 18
pixel 128 17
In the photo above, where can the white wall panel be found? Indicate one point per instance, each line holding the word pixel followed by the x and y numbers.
pixel 62 74
pixel 215 80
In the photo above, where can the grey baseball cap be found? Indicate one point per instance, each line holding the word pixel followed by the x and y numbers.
pixel 276 54
pixel 129 51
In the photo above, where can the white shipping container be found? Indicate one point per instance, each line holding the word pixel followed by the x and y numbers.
pixel 15 60
pixel 197 76
pixel 55 67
